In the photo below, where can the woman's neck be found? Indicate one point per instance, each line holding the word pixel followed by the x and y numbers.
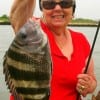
pixel 64 42
pixel 58 31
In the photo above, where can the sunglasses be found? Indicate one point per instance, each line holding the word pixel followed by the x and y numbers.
pixel 51 4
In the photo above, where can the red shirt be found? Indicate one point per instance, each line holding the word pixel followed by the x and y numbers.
pixel 64 72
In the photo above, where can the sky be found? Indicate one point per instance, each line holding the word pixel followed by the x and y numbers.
pixel 89 9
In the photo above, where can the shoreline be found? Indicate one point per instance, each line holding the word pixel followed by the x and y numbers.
pixel 83 24
pixel 70 24
pixel 4 23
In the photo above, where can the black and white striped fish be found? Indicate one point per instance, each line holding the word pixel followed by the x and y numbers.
pixel 27 64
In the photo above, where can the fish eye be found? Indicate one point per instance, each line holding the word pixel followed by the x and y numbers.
pixel 23 35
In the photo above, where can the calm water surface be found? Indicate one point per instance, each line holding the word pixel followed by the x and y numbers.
pixel 7 35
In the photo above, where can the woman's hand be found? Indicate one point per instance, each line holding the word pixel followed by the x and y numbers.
pixel 85 84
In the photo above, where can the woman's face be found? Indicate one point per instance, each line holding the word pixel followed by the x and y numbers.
pixel 57 16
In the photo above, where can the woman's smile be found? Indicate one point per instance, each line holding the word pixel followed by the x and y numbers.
pixel 58 18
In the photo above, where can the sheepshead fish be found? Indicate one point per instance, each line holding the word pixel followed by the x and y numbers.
pixel 27 64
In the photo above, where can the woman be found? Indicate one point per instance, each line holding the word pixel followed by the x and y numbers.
pixel 69 49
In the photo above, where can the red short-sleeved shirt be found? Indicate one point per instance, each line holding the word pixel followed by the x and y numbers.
pixel 64 72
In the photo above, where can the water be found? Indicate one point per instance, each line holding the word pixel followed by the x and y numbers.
pixel 7 35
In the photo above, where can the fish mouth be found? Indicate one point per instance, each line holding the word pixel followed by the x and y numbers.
pixel 31 42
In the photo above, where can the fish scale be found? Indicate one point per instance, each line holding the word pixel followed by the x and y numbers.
pixel 27 64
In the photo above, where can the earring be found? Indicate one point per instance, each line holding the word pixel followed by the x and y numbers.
pixel 43 19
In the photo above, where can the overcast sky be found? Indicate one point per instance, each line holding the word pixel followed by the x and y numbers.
pixel 85 8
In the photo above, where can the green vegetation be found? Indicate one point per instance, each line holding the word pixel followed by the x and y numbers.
pixel 4 18
pixel 77 21
pixel 82 21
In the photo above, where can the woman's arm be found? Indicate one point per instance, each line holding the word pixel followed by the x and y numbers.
pixel 20 12
pixel 91 73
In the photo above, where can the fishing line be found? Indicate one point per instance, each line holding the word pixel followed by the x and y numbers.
pixel 93 44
